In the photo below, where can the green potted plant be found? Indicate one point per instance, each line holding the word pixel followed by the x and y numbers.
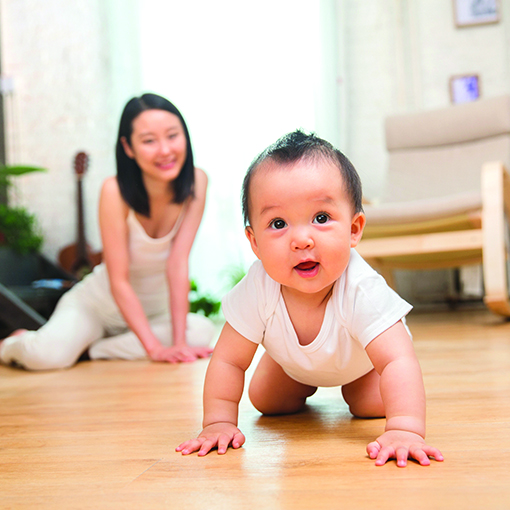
pixel 203 303
pixel 21 262
pixel 19 230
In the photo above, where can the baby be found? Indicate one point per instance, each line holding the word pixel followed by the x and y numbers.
pixel 323 315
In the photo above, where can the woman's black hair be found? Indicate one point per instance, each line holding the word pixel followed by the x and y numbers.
pixel 129 174
pixel 291 148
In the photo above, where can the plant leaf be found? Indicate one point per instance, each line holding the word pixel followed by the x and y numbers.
pixel 19 170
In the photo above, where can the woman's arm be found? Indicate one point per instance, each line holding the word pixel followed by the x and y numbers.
pixel 178 261
pixel 113 212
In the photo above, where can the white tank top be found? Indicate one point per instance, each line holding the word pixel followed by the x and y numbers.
pixel 147 268
pixel 147 271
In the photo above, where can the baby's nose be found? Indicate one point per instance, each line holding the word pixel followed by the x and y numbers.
pixel 302 240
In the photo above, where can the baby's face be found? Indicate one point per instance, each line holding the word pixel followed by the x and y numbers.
pixel 302 224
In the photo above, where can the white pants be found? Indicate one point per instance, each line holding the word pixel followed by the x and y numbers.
pixel 75 327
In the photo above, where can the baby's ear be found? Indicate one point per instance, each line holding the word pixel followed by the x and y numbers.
pixel 253 242
pixel 357 226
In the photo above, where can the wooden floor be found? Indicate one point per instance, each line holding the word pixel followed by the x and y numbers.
pixel 102 435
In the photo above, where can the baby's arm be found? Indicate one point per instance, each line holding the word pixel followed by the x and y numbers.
pixel 224 384
pixel 403 395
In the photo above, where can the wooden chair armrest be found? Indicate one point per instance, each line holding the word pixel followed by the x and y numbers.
pixel 496 207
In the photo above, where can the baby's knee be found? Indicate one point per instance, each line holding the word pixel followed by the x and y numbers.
pixel 270 402
pixel 364 406
pixel 256 397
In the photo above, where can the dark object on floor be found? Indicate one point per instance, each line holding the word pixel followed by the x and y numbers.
pixel 23 305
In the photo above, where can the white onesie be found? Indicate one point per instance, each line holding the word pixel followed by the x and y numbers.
pixel 361 307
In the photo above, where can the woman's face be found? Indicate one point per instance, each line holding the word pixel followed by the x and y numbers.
pixel 158 145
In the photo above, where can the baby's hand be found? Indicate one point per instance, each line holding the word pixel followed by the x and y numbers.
pixel 217 435
pixel 401 445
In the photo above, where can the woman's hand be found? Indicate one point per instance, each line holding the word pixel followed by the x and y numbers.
pixel 178 354
pixel 217 435
pixel 401 445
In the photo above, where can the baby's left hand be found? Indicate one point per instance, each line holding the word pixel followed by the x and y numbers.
pixel 401 445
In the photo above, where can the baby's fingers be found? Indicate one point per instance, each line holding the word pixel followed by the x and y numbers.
pixel 223 443
pixel 190 446
pixel 238 440
pixel 386 453
pixel 401 455
pixel 373 449
pixel 225 440
pixel 207 446
pixel 424 453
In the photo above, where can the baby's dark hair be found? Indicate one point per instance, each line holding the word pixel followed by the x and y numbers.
pixel 294 147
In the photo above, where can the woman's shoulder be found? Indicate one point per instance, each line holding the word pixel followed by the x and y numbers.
pixel 111 197
pixel 201 177
pixel 111 186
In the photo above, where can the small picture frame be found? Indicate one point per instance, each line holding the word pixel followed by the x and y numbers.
pixel 469 13
pixel 464 88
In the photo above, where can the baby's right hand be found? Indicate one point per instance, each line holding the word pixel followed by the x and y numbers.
pixel 217 435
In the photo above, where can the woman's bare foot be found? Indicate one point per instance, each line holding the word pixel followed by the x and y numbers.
pixel 16 332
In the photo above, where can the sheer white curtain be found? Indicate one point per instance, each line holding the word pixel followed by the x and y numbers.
pixel 242 74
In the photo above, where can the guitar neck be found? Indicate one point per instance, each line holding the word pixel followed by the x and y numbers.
pixel 81 244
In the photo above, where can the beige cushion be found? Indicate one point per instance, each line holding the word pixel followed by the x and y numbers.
pixel 455 124
pixel 439 153
pixel 423 210
pixel 433 172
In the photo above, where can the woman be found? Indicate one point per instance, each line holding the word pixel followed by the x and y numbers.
pixel 135 304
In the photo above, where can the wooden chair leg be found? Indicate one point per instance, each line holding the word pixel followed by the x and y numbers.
pixel 496 205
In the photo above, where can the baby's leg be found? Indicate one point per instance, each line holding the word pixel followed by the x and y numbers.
pixel 272 391
pixel 57 344
pixel 364 396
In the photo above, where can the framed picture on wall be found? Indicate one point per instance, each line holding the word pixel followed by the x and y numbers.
pixel 475 12
pixel 464 88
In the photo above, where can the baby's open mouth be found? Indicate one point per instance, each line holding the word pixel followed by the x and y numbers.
pixel 307 266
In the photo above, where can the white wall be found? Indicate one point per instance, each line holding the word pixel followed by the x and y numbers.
pixel 242 74
pixel 72 65
pixel 398 56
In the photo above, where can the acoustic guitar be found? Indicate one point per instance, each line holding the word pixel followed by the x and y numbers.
pixel 78 258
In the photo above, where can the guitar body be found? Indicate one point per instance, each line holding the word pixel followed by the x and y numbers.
pixel 78 258
pixel 69 258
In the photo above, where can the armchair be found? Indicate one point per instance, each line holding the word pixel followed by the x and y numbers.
pixel 447 196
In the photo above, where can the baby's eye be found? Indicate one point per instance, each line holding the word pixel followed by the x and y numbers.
pixel 278 224
pixel 321 218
